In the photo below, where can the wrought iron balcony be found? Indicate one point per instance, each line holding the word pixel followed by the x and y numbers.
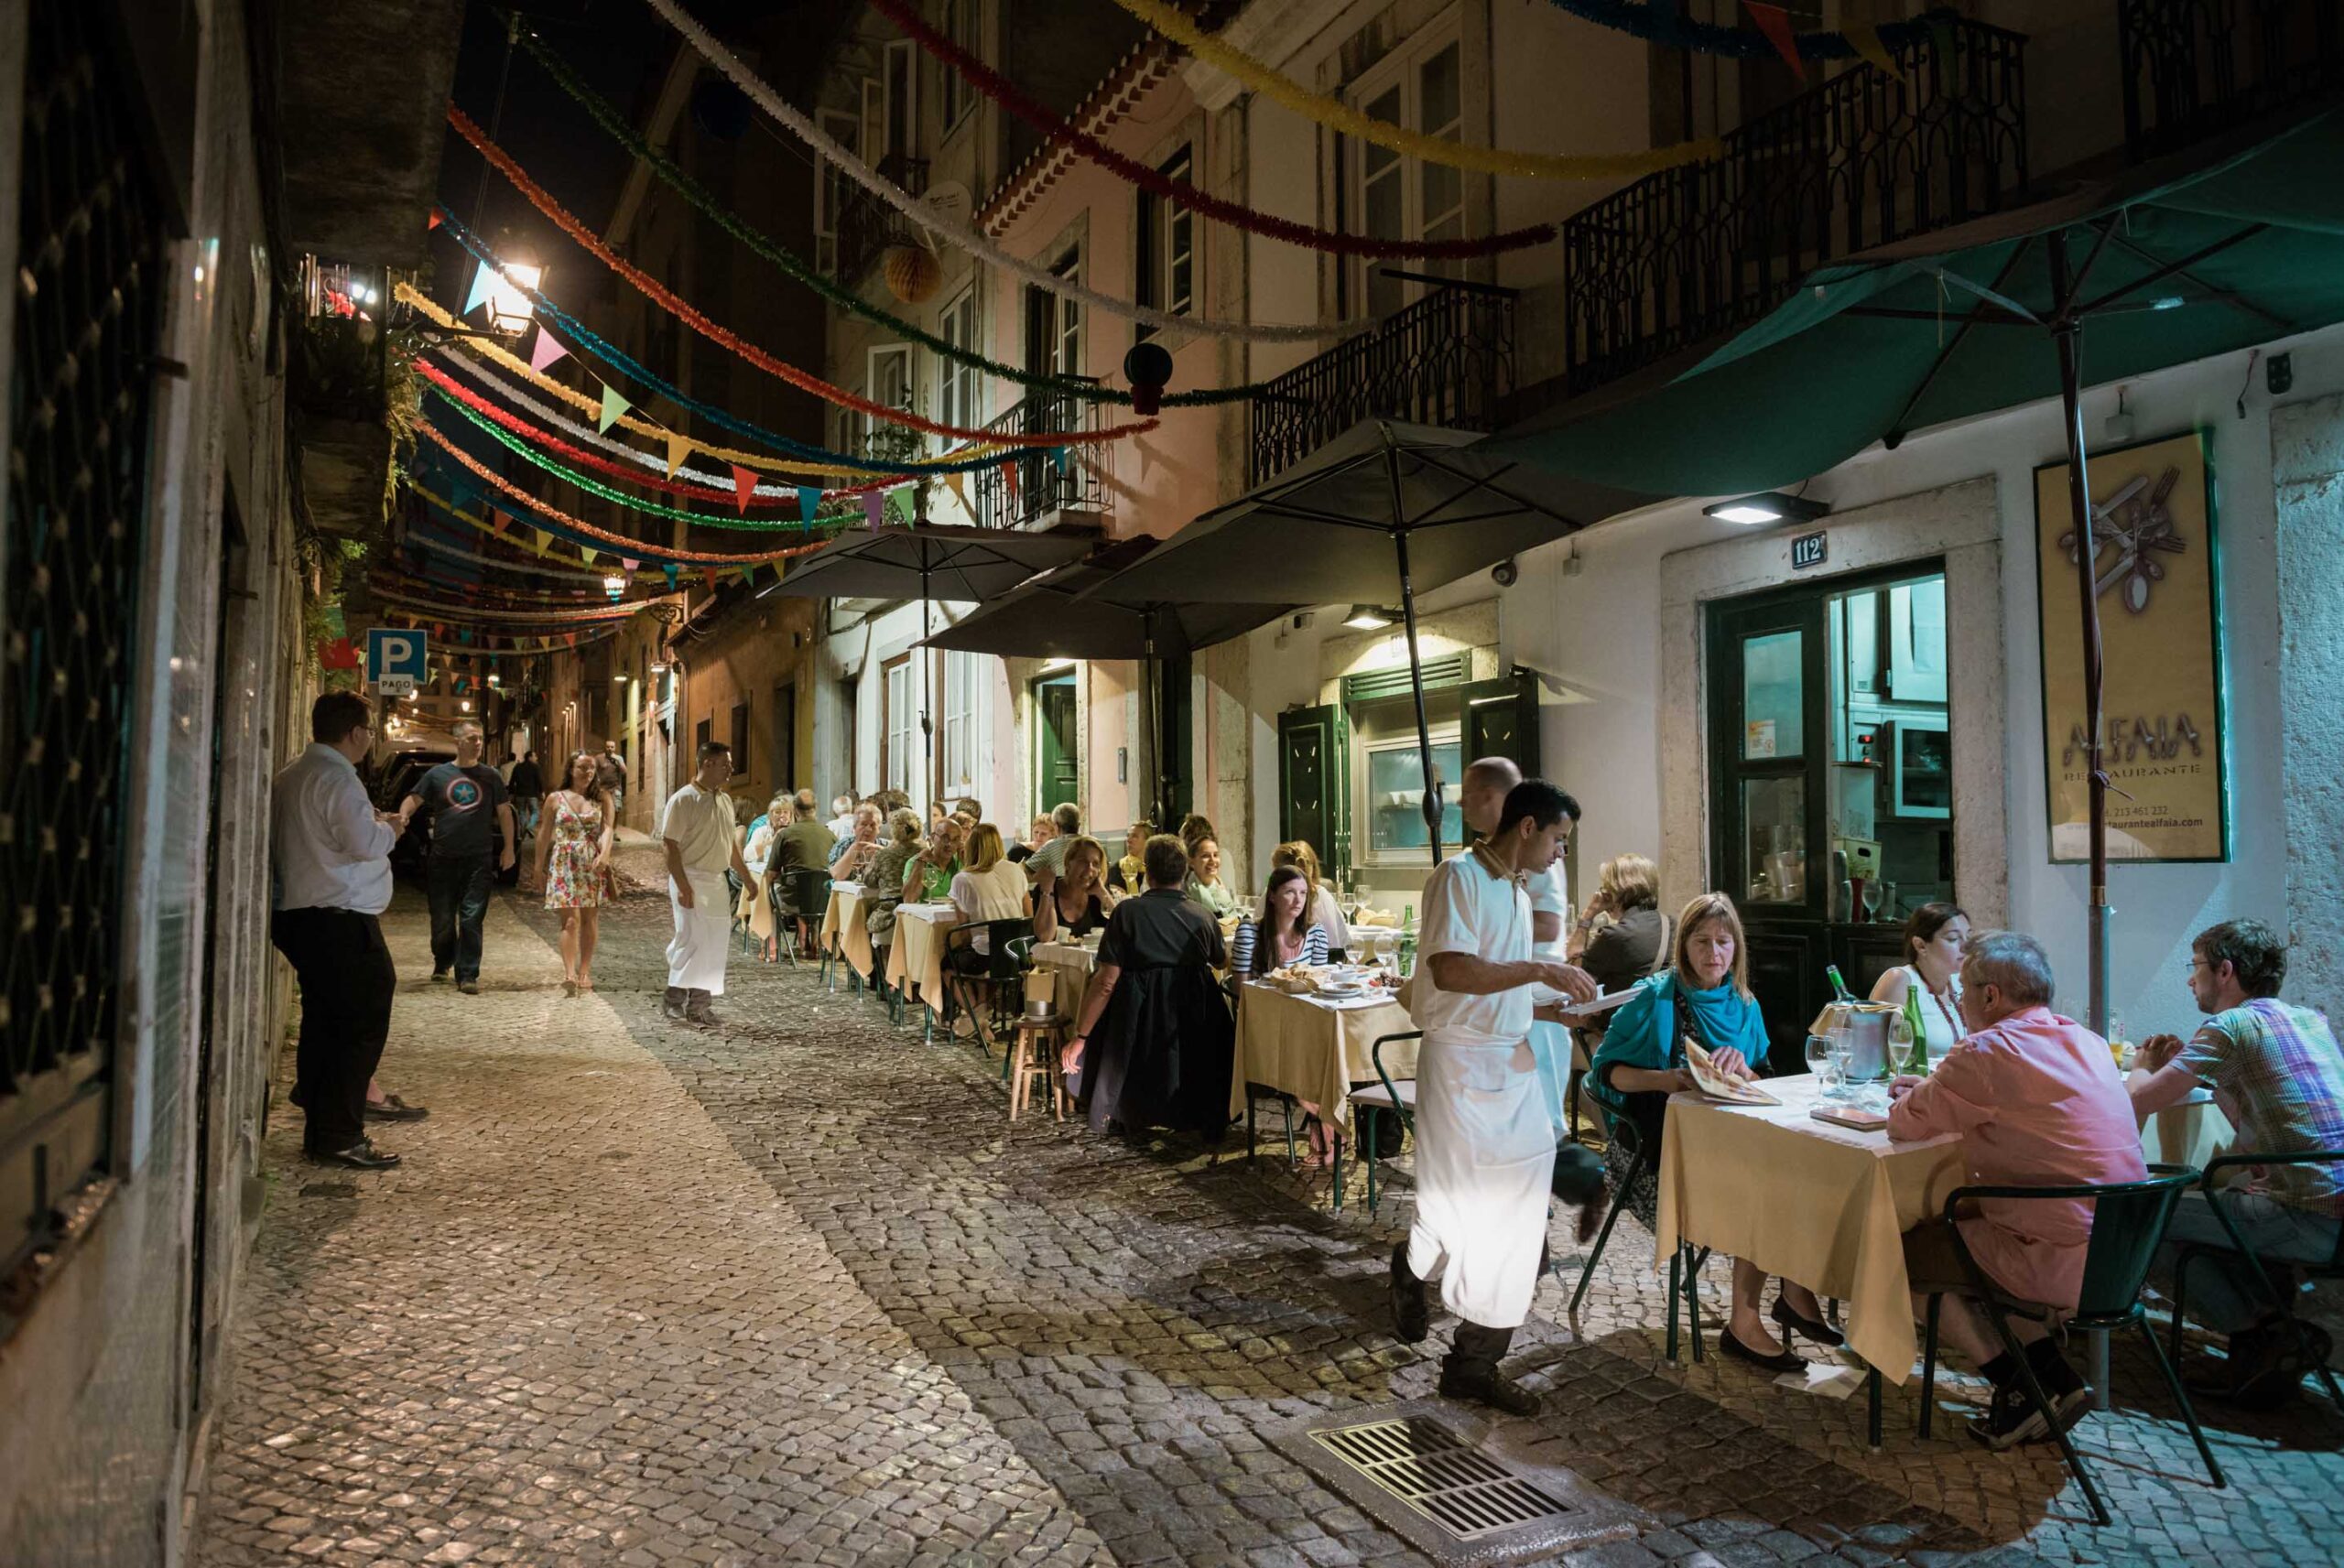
pixel 1446 359
pixel 2195 68
pixel 1862 160
pixel 1043 485
pixel 867 226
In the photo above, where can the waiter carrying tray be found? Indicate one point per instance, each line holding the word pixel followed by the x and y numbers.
pixel 696 832
pixel 1485 1148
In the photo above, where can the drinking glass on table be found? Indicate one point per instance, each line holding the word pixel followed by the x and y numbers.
pixel 1819 1062
pixel 1841 1041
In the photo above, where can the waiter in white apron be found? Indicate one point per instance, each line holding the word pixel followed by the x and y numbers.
pixel 1485 1148
pixel 696 829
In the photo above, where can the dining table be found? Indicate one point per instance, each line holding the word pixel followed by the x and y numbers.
pixel 846 927
pixel 1066 966
pixel 1313 1048
pixel 915 960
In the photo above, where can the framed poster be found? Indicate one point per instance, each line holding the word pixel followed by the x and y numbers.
pixel 2153 561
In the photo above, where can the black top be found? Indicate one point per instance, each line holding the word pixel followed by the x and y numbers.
pixel 529 782
pixel 1091 918
pixel 1160 1054
pixel 1161 929
pixel 1625 951
pixel 1020 852
pixel 459 807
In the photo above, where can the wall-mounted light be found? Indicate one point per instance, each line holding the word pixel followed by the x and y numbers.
pixel 1771 506
pixel 1060 662
pixel 1370 617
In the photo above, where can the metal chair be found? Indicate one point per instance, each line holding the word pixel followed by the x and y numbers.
pixel 2128 1225
pixel 1373 1104
pixel 1684 1264
pixel 733 889
pixel 1008 945
pixel 802 894
pixel 2333 1269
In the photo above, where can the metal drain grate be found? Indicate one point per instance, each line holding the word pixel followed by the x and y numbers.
pixel 1429 1468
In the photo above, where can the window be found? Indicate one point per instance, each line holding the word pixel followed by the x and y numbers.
pixel 741 736
pixel 964 24
pixel 831 185
pixel 892 372
pixel 1392 784
pixel 1401 198
pixel 960 391
pixel 899 718
pixel 1166 249
pixel 959 683
pixel 1054 323
pixel 899 102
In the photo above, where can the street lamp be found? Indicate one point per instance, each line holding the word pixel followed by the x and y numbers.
pixel 505 293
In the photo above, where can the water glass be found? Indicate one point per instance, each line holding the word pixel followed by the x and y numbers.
pixel 1844 1054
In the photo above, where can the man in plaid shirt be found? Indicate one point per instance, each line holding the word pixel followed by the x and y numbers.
pixel 2277 1075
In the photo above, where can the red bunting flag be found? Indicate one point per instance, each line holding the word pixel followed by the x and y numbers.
pixel 744 486
pixel 1775 23
pixel 713 579
pixel 497 521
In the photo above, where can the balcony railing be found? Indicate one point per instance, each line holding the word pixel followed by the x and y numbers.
pixel 2195 68
pixel 1042 485
pixel 1446 359
pixel 868 226
pixel 1864 159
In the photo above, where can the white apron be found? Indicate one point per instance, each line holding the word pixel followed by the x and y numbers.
pixel 1486 1162
pixel 704 935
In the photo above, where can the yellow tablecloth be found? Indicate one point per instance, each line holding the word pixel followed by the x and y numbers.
pixel 918 953
pixel 1068 965
pixel 846 927
pixel 1313 1050
pixel 1827 1207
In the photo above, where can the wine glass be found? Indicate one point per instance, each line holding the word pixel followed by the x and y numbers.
pixel 1842 1044
pixel 1819 1063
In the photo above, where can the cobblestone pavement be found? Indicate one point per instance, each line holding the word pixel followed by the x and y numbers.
pixel 793 1290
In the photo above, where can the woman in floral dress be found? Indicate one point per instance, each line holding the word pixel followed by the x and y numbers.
pixel 574 864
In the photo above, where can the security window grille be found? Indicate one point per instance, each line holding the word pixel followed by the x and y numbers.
pixel 1167 248
pixel 90 249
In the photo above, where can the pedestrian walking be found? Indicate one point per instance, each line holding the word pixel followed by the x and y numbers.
pixel 610 771
pixel 465 812
pixel 528 788
pixel 696 829
pixel 574 868
pixel 1485 1150
pixel 329 849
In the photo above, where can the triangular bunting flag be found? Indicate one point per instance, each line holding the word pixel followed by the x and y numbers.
pixel 1865 38
pixel 586 554
pixel 809 501
pixel 631 565
pixel 547 349
pixel 612 406
pixel 545 540
pixel 897 508
pixel 1009 480
pixel 744 486
pixel 1775 23
pixel 679 448
pixel 874 505
pixel 1059 458
pixel 484 284
pixel 431 221
pixel 497 521
pixel 671 571
pixel 711 574
pixel 959 485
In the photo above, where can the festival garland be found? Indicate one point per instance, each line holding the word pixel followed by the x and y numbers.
pixel 732 342
pixel 1343 118
pixel 457 552
pixel 1057 130
pixel 958 231
pixel 1665 27
pixel 626 365
pixel 415 606
pixel 799 270
pixel 575 529
pixel 394 580
pixel 519 641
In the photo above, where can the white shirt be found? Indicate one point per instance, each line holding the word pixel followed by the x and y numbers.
pixel 841 826
pixel 700 822
pixel 1326 911
pixel 328 849
pixel 1467 910
pixel 1547 897
pixel 995 894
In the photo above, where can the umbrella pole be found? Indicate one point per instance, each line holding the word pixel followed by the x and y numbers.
pixel 2067 332
pixel 1152 719
pixel 926 655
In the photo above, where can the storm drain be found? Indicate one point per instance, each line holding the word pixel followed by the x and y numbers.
pixel 1459 1498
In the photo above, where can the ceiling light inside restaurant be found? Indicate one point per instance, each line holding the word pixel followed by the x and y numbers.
pixel 1773 506
pixel 1368 618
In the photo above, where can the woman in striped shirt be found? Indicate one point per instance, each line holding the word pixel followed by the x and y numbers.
pixel 1283 933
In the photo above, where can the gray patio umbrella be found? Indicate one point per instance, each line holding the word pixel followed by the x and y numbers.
pixel 1308 537
pixel 930 561
pixel 1050 618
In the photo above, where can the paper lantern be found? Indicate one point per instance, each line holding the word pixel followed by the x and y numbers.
pixel 912 274
pixel 1147 367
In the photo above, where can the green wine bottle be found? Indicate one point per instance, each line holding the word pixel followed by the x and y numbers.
pixel 1838 986
pixel 1916 1061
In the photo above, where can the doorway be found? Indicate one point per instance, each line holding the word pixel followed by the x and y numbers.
pixel 1831 798
pixel 1056 775
pixel 781 744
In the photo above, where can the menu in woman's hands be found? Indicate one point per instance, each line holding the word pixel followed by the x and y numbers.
pixel 1720 1086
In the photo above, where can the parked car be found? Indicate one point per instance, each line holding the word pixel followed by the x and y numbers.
pixel 401 772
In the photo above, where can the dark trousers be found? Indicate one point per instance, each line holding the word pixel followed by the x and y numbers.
pixel 458 887
pixel 347 980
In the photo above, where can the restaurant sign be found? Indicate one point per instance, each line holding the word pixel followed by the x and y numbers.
pixel 2152 557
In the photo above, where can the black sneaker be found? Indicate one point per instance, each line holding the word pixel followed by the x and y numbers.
pixel 2013 1418
pixel 360 1156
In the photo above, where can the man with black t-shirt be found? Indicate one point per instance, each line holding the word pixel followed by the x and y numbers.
pixel 466 811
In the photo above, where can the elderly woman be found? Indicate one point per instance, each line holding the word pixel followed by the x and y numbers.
pixel 900 842
pixel 1928 983
pixel 1204 880
pixel 1075 904
pixel 1621 937
pixel 1156 1044
pixel 1703 997
pixel 855 856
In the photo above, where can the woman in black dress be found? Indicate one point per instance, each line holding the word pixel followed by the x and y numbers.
pixel 1156 1044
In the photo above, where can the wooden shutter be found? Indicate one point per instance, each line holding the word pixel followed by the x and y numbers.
pixel 1314 783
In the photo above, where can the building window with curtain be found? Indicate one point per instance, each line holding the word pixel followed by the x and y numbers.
pixel 959 386
pixel 958 685
pixel 1166 252
pixel 1419 88
pixel 899 720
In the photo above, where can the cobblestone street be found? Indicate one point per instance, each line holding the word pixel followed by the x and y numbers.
pixel 795 1291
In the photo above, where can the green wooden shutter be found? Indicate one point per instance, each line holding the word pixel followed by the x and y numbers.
pixel 1314 783
pixel 1501 719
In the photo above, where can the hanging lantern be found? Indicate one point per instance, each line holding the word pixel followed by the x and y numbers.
pixel 912 272
pixel 1147 367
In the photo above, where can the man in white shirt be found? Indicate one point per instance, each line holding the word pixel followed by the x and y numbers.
pixel 1480 797
pixel 1486 1149
pixel 329 849
pixel 696 830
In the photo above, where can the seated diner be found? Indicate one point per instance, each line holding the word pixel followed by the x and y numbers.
pixel 1075 904
pixel 1204 880
pixel 1127 877
pixel 1621 937
pixel 1325 910
pixel 1282 933
pixel 1927 985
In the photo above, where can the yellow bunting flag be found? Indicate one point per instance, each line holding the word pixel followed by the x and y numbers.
pixel 957 484
pixel 679 448
pixel 1865 38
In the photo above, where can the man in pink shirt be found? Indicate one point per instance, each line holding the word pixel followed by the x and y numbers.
pixel 2037 1101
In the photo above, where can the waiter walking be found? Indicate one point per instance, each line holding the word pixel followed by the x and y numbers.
pixel 696 830
pixel 1486 1149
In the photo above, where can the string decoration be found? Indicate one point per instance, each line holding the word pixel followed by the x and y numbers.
pixel 577 530
pixel 626 365
pixel 1058 129
pixel 956 231
pixel 799 270
pixel 448 507
pixel 487 597
pixel 1662 25
pixel 415 606
pixel 732 342
pixel 458 553
pixel 1340 116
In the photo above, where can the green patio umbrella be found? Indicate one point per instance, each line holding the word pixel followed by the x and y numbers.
pixel 2166 265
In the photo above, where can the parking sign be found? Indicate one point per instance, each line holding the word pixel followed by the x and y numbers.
pixel 394 660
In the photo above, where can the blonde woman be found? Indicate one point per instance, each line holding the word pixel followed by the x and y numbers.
pixel 992 887
pixel 574 867
pixel 1621 937
pixel 1076 901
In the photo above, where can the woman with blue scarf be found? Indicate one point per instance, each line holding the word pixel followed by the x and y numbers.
pixel 1703 995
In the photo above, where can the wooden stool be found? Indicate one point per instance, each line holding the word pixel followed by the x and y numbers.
pixel 1034 1054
